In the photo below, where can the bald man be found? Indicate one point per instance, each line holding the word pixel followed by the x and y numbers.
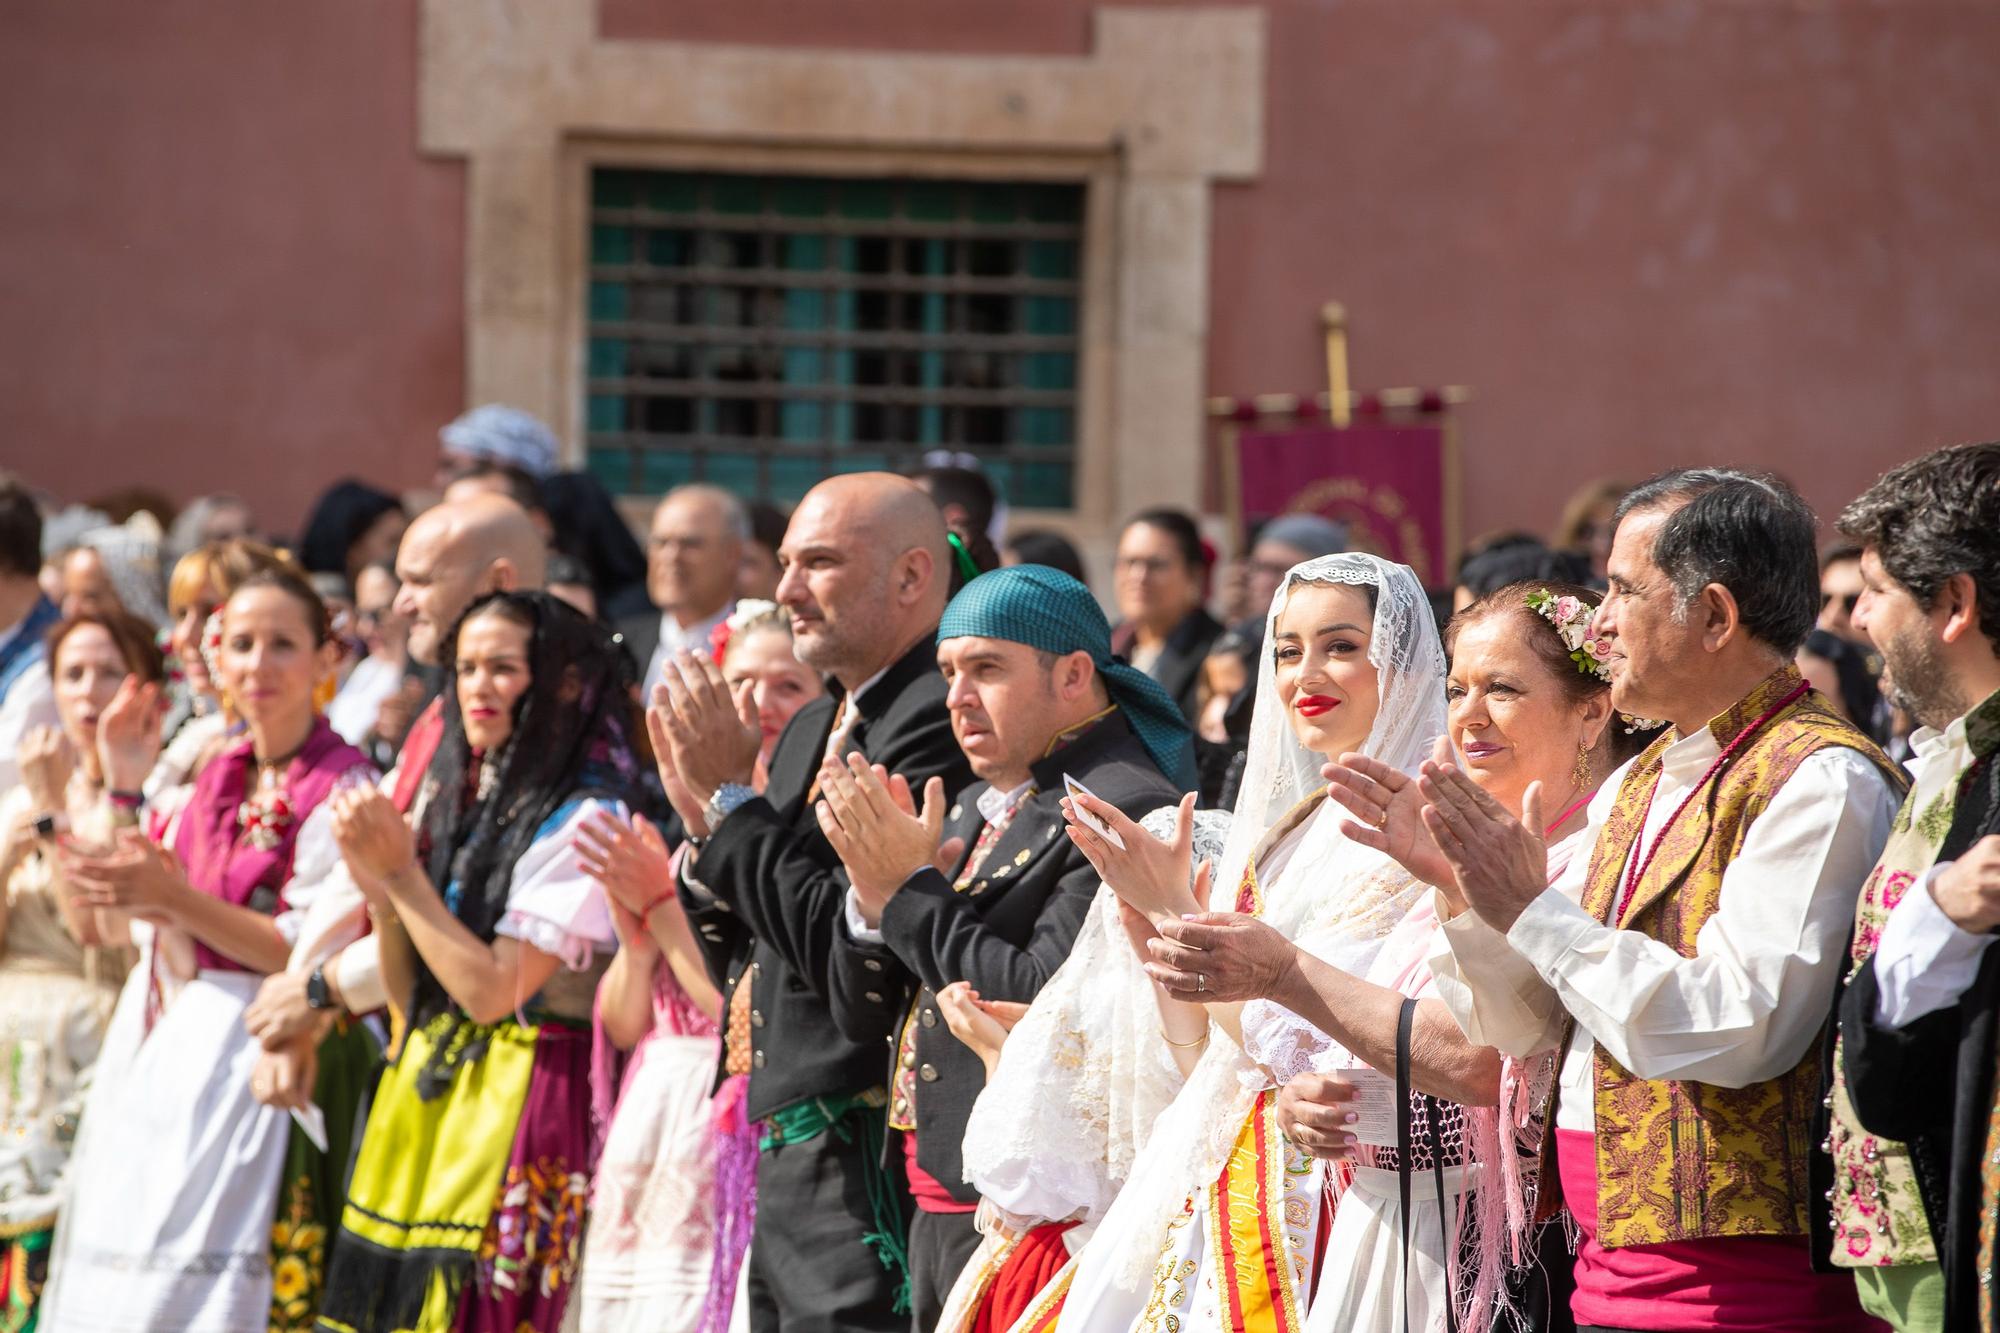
pixel 450 557
pixel 694 552
pixel 454 554
pixel 867 573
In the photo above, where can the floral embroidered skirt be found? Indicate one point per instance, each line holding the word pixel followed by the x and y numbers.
pixel 313 1183
pixel 466 1206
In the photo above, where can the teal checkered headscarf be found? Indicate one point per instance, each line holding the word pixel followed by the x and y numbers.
pixel 1047 609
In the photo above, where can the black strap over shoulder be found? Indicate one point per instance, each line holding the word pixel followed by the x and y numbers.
pixel 1404 1149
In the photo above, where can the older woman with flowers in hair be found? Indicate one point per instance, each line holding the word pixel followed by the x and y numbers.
pixel 1530 716
pixel 671 1217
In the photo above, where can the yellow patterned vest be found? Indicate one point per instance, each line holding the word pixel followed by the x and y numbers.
pixel 1685 1160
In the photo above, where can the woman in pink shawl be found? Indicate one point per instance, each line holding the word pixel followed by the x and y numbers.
pixel 175 1218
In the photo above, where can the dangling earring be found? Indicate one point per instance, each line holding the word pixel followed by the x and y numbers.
pixel 1581 772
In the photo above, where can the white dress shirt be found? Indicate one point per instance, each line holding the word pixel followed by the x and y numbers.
pixel 1923 961
pixel 673 639
pixel 1757 991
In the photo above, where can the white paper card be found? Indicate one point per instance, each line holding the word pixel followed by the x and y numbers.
pixel 313 1121
pixel 1374 1103
pixel 1087 819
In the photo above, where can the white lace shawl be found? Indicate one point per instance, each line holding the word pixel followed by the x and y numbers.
pixel 1053 1135
pixel 1349 896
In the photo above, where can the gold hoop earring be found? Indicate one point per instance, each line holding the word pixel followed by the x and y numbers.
pixel 1581 771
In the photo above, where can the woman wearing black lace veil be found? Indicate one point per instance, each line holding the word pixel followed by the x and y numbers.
pixel 471 1179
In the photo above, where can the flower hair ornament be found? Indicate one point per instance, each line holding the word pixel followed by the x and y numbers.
pixel 1572 618
pixel 750 613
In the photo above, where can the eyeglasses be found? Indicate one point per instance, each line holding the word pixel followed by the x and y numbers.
pixel 1848 601
pixel 1144 566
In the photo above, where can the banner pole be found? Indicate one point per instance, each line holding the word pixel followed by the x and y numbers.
pixel 1339 401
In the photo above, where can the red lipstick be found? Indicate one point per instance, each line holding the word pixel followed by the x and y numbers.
pixel 1312 705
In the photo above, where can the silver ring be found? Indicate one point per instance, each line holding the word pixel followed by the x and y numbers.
pixel 1200 981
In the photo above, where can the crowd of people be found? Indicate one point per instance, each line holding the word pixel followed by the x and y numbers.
pixel 464 916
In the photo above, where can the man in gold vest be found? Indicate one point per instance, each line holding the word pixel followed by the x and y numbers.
pixel 1683 973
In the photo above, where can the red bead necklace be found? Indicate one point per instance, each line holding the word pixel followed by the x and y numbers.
pixel 1636 869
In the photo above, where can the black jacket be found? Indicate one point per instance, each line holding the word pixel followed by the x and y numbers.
pixel 1178 668
pixel 1930 1084
pixel 1007 933
pixel 778 892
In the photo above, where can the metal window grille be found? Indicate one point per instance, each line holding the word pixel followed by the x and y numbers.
pixel 765 332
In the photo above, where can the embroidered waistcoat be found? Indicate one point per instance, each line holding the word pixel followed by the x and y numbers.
pixel 1878 1211
pixel 1682 1160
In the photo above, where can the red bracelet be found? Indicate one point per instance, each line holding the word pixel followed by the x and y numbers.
pixel 646 917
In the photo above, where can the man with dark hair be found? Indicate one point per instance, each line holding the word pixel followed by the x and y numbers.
pixel 27 698
pixel 1918 1021
pixel 1035 696
pixel 964 494
pixel 1686 966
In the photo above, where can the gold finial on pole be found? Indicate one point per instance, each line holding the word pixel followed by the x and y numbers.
pixel 1333 319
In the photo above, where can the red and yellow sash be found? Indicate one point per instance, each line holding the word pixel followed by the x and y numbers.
pixel 1246 1211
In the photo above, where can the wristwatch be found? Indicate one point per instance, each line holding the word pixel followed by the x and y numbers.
pixel 317 995
pixel 720 806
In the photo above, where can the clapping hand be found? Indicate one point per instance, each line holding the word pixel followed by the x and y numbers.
pixel 136 876
pixel 1388 814
pixel 128 734
pixel 371 834
pixel 876 831
pixel 1149 874
pixel 47 761
pixel 1501 865
pixel 710 736
pixel 633 864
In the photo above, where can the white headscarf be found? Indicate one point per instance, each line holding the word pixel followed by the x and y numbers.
pixel 1084 1078
pixel 1350 897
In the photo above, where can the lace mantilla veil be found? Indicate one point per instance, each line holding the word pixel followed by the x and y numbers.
pixel 1085 1087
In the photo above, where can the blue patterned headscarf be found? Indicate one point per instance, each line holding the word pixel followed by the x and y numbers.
pixel 1048 610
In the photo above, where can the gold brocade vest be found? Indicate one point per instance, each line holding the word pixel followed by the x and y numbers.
pixel 1686 1160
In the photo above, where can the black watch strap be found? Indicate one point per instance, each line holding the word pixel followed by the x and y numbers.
pixel 317 996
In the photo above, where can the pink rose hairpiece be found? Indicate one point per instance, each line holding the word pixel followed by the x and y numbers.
pixel 1572 618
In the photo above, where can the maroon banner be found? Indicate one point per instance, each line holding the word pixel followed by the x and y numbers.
pixel 1387 482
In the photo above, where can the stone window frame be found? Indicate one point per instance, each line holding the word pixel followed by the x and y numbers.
pixel 1165 103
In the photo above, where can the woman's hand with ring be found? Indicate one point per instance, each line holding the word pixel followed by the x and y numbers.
pixel 1388 814
pixel 1221 958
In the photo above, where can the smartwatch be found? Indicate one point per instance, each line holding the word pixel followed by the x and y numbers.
pixel 317 995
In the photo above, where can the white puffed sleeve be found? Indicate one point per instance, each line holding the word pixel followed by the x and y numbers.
pixel 552 904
